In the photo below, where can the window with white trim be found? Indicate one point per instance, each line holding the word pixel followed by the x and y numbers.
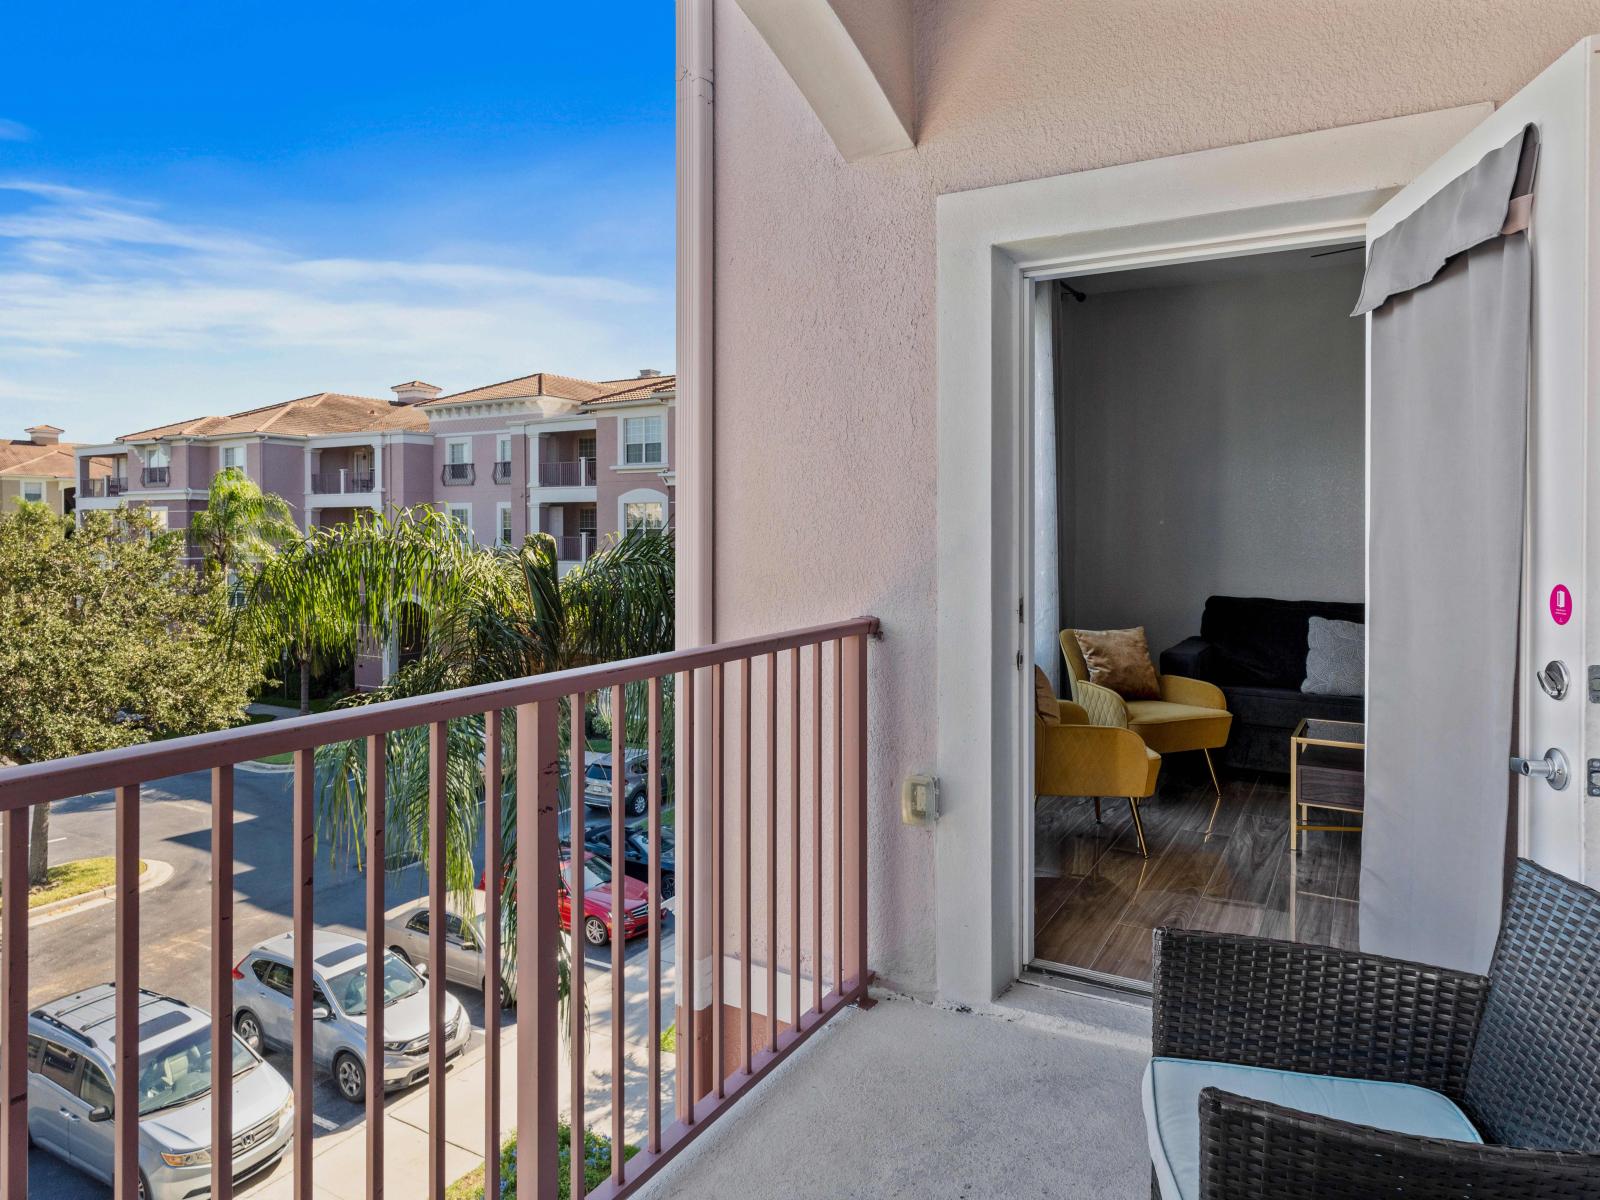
pixel 33 490
pixel 231 458
pixel 644 514
pixel 462 515
pixel 644 440
pixel 160 517
pixel 502 448
pixel 157 455
pixel 458 451
pixel 503 523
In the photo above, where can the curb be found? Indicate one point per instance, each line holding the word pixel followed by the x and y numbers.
pixel 253 767
pixel 156 873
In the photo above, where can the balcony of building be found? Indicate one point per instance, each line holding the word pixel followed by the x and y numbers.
pixel 102 479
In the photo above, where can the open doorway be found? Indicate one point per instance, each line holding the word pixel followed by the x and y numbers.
pixel 1200 475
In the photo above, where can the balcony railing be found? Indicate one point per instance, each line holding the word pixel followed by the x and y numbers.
pixel 577 473
pixel 458 474
pixel 575 547
pixel 154 476
pixel 103 487
pixel 502 472
pixel 341 482
pixel 776 683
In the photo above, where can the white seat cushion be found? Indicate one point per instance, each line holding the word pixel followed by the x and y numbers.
pixel 1172 1089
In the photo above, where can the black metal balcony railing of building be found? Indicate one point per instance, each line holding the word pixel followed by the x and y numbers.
pixel 97 489
pixel 502 472
pixel 577 473
pixel 458 474
pixel 154 476
pixel 334 483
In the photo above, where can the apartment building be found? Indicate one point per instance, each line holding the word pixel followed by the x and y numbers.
pixel 575 458
pixel 40 468
pixel 579 459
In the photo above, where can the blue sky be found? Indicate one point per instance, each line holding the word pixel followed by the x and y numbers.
pixel 205 207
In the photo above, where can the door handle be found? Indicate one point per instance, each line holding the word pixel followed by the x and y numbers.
pixel 68 1114
pixel 1552 768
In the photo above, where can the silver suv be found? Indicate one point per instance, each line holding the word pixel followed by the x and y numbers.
pixel 71 1093
pixel 263 993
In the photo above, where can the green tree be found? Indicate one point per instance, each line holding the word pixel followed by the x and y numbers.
pixel 508 613
pixel 107 639
pixel 240 524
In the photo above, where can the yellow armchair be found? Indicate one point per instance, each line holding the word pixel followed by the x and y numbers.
pixel 1075 757
pixel 1190 715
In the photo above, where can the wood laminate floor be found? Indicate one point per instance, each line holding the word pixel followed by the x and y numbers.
pixel 1096 900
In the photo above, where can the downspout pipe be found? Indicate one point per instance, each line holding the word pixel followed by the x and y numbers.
pixel 696 529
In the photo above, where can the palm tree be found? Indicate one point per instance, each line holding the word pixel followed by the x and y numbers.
pixel 240 523
pixel 325 594
pixel 508 613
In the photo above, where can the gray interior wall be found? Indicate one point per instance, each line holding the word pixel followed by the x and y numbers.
pixel 1210 443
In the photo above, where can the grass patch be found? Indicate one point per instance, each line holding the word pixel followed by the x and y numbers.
pixel 75 878
pixel 596 1167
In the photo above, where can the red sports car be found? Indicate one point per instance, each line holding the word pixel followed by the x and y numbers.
pixel 597 900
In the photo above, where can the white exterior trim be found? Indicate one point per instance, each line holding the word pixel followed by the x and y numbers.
pixel 992 243
pixel 642 496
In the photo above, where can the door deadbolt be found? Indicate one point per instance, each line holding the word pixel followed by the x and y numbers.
pixel 1552 768
pixel 1555 679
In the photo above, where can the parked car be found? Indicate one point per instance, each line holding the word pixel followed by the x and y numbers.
pixel 407 932
pixel 597 929
pixel 71 1093
pixel 635 789
pixel 263 991
pixel 635 852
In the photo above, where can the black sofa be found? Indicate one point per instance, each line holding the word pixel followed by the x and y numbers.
pixel 1254 649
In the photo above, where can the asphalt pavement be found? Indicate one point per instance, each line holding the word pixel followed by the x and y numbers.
pixel 74 950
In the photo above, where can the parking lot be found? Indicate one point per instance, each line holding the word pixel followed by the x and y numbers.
pixel 73 950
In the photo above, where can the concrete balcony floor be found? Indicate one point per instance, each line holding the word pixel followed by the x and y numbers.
pixel 1037 1096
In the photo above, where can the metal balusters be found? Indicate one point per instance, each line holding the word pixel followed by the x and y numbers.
pixel 816 827
pixel 854 723
pixel 538 1057
pixel 745 1035
pixel 772 850
pixel 377 860
pixel 719 1073
pixel 619 775
pixel 685 1043
pixel 14 1005
pixel 125 1131
pixel 794 839
pixel 577 754
pixel 438 799
pixel 838 817
pixel 653 883
pixel 493 881
pixel 305 778
pixel 221 978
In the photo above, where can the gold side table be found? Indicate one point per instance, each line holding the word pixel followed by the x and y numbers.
pixel 1327 770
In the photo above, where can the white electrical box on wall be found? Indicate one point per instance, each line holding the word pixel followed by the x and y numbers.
pixel 919 800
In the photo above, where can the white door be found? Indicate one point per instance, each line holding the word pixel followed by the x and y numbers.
pixel 1560 575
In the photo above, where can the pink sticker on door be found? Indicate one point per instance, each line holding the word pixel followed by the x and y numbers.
pixel 1560 604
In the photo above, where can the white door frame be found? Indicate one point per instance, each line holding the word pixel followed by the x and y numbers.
pixel 993 244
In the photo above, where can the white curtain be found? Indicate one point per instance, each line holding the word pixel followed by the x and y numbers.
pixel 1046 542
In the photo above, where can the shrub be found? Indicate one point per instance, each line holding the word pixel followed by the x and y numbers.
pixel 596 1167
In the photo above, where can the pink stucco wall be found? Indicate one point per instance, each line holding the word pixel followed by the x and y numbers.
pixel 825 280
pixel 484 495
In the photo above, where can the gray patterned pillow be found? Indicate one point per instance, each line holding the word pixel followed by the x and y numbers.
pixel 1336 659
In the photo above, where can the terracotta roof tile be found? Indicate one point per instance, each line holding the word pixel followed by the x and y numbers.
pixel 541 383
pixel 307 416
pixel 651 387
pixel 30 460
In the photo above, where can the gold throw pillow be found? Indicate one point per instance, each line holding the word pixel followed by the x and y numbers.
pixel 1044 698
pixel 1119 659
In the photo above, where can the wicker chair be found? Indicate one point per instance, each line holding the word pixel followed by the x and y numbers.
pixel 1518 1052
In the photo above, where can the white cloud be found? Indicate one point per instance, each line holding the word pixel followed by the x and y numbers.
pixel 14 131
pixel 99 292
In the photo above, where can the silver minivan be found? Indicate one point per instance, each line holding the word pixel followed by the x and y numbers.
pixel 71 1093
pixel 263 1002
